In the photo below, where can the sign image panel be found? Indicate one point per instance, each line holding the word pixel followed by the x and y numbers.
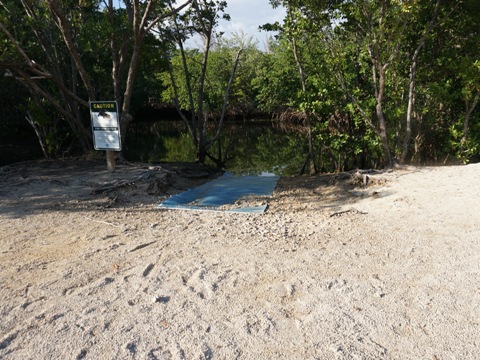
pixel 105 125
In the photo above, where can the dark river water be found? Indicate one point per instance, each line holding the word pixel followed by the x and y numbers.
pixel 254 146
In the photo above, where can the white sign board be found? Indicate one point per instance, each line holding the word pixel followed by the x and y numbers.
pixel 105 125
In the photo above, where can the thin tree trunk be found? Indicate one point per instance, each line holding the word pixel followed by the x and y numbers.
pixel 201 112
pixel 311 152
pixel 77 127
pixel 378 76
pixel 39 134
pixel 411 88
pixel 192 124
pixel 381 121
pixel 468 113
pixel 225 96
pixel 62 24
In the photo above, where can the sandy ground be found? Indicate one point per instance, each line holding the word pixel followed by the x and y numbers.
pixel 89 269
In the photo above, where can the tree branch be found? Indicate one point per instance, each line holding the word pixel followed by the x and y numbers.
pixel 225 98
pixel 62 24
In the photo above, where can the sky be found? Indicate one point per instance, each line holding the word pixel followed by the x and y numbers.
pixel 247 16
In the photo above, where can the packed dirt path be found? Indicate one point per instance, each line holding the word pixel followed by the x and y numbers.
pixel 335 269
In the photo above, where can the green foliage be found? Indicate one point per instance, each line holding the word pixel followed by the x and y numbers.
pixel 342 46
pixel 54 136
pixel 276 84
pixel 242 94
pixel 342 41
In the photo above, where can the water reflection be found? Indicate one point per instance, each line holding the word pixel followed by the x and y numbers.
pixel 254 147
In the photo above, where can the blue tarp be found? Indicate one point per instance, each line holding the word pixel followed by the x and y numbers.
pixel 224 190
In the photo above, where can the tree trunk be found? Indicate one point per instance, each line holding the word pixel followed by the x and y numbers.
pixel 388 160
pixel 383 136
pixel 382 127
pixel 63 25
pixel 411 88
pixel 411 102
pixel 310 159
pixel 201 148
pixel 38 132
pixel 468 113
pixel 311 151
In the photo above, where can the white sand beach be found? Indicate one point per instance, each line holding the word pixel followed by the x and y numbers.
pixel 330 271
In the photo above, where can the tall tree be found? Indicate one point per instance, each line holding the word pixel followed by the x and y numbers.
pixel 381 27
pixel 191 77
pixel 36 58
pixel 446 115
pixel 294 29
pixel 68 22
pixel 411 88
pixel 142 18
pixel 468 66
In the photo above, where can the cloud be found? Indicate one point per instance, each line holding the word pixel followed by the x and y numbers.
pixel 248 15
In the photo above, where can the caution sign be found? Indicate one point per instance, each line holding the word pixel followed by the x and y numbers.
pixel 105 126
